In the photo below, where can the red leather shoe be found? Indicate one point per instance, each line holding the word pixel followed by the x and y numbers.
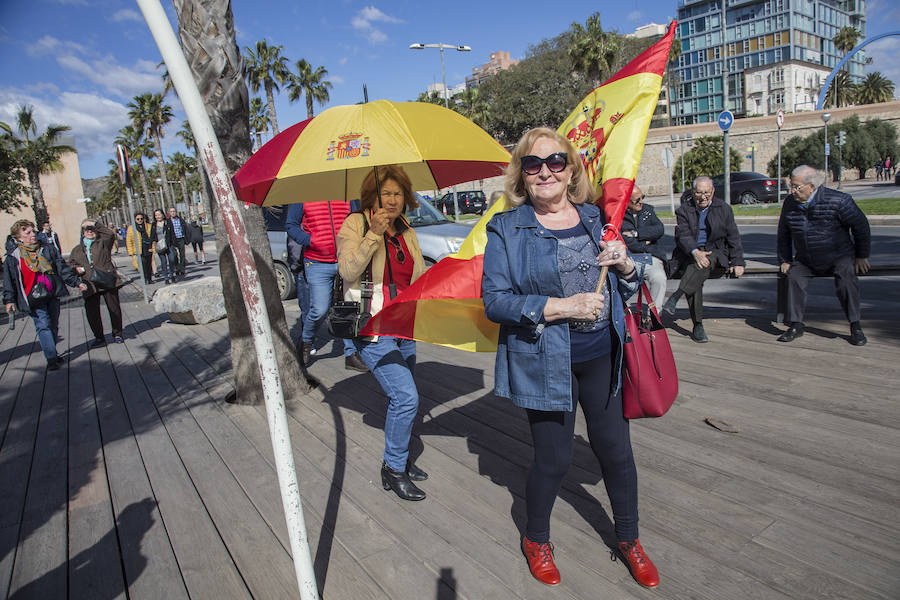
pixel 540 561
pixel 640 565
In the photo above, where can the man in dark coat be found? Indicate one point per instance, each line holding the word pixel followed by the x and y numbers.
pixel 814 238
pixel 706 239
pixel 182 236
pixel 642 230
pixel 48 236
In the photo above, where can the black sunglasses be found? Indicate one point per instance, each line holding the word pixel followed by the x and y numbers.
pixel 638 199
pixel 398 249
pixel 556 162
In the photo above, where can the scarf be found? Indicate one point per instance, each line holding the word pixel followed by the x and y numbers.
pixel 33 259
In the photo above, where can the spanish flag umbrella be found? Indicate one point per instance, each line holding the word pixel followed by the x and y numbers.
pixel 327 157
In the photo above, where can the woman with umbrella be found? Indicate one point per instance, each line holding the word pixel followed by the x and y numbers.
pixel 560 339
pixel 377 245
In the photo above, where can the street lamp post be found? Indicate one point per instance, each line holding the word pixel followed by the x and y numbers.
pixel 458 48
pixel 825 118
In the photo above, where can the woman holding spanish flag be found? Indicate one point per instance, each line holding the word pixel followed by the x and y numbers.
pixel 377 245
pixel 560 340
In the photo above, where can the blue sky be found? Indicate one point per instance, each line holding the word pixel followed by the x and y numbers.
pixel 79 62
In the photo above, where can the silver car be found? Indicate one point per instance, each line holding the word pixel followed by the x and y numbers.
pixel 438 237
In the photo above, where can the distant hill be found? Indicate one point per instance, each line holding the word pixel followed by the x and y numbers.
pixel 93 187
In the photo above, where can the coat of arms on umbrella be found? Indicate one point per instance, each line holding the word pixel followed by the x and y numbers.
pixel 348 145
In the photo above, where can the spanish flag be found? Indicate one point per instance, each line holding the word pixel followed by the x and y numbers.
pixel 608 128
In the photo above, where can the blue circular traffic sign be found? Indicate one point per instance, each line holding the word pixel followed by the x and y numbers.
pixel 726 119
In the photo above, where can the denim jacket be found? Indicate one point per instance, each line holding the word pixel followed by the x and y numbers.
pixel 521 271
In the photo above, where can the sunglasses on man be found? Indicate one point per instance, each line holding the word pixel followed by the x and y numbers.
pixel 556 162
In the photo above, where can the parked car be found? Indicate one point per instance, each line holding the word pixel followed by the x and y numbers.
pixel 897 177
pixel 438 237
pixel 750 188
pixel 470 202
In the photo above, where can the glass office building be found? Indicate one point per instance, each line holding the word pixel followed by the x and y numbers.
pixel 758 33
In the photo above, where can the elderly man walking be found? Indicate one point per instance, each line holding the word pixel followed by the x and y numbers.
pixel 822 231
pixel 706 239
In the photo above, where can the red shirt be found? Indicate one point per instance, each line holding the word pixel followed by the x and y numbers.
pixel 402 272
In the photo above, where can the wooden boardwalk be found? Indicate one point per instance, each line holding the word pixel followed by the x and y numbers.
pixel 124 475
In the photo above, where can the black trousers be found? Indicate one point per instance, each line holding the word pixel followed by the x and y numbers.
pixel 147 263
pixel 92 310
pixel 554 442
pixel 692 285
pixel 846 287
pixel 180 261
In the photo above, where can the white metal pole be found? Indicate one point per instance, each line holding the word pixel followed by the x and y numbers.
pixel 138 246
pixel 251 289
pixel 779 165
pixel 671 193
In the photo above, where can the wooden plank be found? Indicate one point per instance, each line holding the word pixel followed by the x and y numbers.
pixel 94 569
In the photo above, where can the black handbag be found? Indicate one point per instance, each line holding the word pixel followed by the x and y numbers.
pixel 346 319
pixel 102 279
pixel 39 294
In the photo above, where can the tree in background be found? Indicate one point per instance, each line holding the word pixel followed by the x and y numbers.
pixel 593 51
pixel 472 105
pixel 36 154
pixel 845 41
pixel 187 136
pixel 150 114
pixel 181 166
pixel 875 88
pixel 311 83
pixel 672 76
pixel 259 120
pixel 206 30
pixel 113 194
pixel 12 177
pixel 138 148
pixel 266 68
pixel 704 159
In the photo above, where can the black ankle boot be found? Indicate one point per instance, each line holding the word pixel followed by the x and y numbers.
pixel 400 483
pixel 414 472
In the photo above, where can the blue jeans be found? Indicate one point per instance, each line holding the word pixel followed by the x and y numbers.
pixel 392 362
pixel 167 262
pixel 320 283
pixel 46 322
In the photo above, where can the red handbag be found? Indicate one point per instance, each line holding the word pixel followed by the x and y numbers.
pixel 649 380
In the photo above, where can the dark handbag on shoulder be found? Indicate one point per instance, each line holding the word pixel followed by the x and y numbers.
pixel 39 294
pixel 345 319
pixel 650 379
pixel 102 279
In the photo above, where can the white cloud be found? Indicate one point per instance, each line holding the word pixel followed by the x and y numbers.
pixel 342 60
pixel 635 16
pixel 95 120
pixel 884 54
pixel 126 14
pixel 122 81
pixel 336 79
pixel 363 23
pixel 50 45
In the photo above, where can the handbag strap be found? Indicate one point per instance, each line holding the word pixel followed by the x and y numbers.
pixel 365 285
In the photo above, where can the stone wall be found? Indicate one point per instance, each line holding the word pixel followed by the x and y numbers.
pixel 653 177
pixel 61 190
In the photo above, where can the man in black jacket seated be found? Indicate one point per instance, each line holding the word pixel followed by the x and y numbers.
pixel 642 230
pixel 706 239
pixel 814 238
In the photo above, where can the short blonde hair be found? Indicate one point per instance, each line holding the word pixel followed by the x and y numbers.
pixel 579 190
pixel 18 226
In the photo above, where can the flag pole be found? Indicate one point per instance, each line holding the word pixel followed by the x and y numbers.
pixel 251 290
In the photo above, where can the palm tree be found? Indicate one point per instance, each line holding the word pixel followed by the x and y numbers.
pixel 267 68
pixel 12 178
pixel 187 136
pixel 181 166
pixel 113 194
pixel 310 82
pixel 473 106
pixel 841 92
pixel 149 113
pixel 844 40
pixel 431 98
pixel 138 149
pixel 874 88
pixel 37 154
pixel 674 55
pixel 592 50
pixel 206 27
pixel 259 120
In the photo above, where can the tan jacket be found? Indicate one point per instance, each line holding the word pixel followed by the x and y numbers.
pixel 354 250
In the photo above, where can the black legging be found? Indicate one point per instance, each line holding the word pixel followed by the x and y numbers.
pixel 553 433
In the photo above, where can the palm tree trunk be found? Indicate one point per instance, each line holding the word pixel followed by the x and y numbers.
pixel 184 192
pixel 270 100
pixel 145 200
pixel 162 169
pixel 204 25
pixel 309 106
pixel 258 140
pixel 37 198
